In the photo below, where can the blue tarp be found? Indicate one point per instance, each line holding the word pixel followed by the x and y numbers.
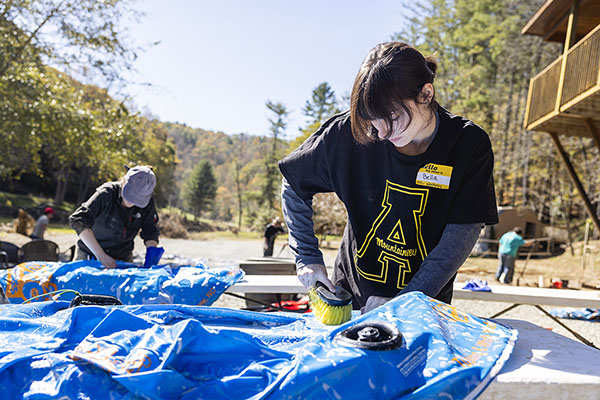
pixel 162 284
pixel 192 352
pixel 587 314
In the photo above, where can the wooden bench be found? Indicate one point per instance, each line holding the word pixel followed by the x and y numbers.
pixel 271 266
pixel 268 266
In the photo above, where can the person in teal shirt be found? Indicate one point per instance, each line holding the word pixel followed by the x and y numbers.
pixel 510 243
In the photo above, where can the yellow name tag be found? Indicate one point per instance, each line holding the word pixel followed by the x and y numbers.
pixel 435 175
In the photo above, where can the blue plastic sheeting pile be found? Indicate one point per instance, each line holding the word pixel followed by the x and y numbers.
pixel 163 284
pixel 586 314
pixel 190 352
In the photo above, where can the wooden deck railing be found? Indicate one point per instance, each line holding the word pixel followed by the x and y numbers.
pixel 582 73
pixel 543 88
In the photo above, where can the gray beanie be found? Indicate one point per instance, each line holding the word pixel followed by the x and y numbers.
pixel 138 185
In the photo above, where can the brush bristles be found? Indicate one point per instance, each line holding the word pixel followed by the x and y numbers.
pixel 327 314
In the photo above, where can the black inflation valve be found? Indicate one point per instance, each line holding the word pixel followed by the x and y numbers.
pixel 371 335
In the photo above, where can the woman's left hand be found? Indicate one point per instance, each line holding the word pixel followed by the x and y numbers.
pixel 374 302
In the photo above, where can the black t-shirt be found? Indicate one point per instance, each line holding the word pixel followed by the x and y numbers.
pixel 398 205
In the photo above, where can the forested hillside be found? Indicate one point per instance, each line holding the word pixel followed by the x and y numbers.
pixel 239 167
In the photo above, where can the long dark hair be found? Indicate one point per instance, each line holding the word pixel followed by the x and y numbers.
pixel 391 74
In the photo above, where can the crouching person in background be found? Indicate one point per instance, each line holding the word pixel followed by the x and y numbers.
pixel 108 222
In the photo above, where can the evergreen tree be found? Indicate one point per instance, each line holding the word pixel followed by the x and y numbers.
pixel 322 104
pixel 200 188
pixel 237 167
pixel 272 175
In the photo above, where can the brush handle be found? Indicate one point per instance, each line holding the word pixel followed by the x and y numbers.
pixel 341 297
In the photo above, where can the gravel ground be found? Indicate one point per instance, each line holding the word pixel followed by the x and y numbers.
pixel 228 253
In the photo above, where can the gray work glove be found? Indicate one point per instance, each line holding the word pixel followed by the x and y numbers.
pixel 311 273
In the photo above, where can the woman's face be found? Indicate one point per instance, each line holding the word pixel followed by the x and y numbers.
pixel 401 134
pixel 127 204
pixel 413 138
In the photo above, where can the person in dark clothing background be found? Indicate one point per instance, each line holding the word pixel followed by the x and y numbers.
pixel 108 222
pixel 271 232
pixel 42 223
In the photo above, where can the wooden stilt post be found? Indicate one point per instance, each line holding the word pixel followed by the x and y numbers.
pixel 573 175
pixel 569 42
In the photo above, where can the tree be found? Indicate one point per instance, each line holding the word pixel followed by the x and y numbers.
pixel 85 128
pixel 322 104
pixel 159 151
pixel 304 134
pixel 82 35
pixel 51 125
pixel 272 175
pixel 238 179
pixel 200 188
pixel 330 214
pixel 20 123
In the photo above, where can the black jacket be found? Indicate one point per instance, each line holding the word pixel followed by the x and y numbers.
pixel 114 225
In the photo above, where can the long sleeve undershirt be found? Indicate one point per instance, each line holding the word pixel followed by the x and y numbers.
pixel 301 235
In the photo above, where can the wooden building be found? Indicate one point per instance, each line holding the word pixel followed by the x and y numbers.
pixel 524 218
pixel 564 99
pixel 509 218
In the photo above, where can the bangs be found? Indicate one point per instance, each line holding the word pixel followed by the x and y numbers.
pixel 380 102
pixel 392 75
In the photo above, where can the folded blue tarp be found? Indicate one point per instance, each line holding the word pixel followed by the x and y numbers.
pixel 190 352
pixel 162 284
pixel 587 314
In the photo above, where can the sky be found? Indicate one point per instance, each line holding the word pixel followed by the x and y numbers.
pixel 218 62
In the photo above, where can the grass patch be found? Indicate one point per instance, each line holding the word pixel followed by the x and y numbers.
pixel 52 227
pixel 562 266
pixel 6 220
pixel 189 220
pixel 30 201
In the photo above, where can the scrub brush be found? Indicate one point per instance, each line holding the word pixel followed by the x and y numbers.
pixel 330 308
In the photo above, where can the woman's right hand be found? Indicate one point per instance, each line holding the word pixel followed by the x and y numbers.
pixel 107 261
pixel 89 239
pixel 311 273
